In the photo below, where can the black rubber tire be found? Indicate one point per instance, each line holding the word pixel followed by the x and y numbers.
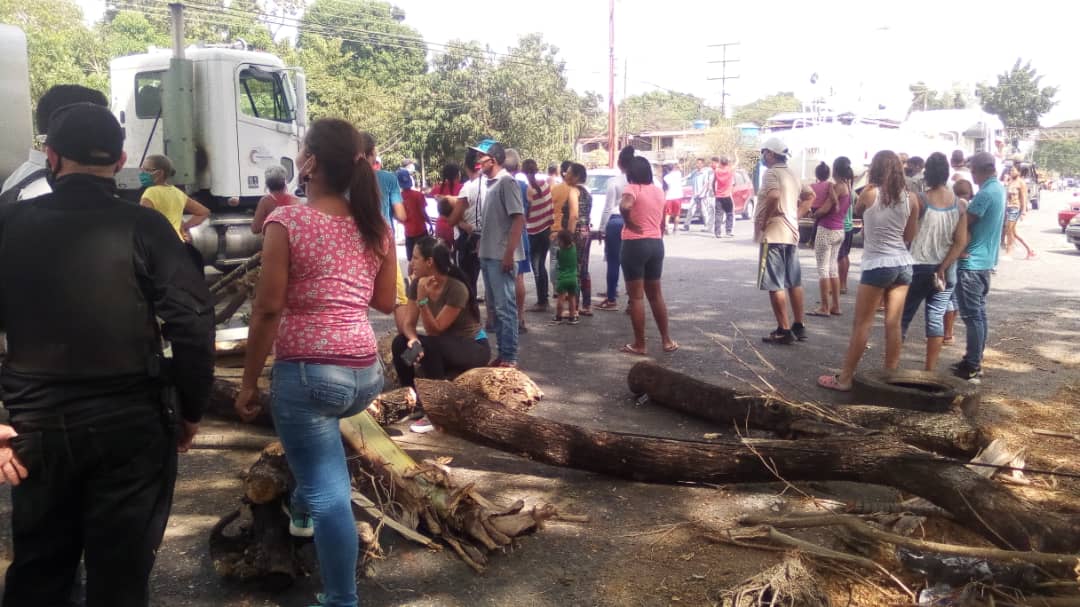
pixel 915 390
pixel 748 209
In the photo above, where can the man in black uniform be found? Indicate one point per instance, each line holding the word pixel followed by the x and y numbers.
pixel 84 279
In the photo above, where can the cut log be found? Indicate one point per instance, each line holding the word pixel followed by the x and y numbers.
pixel 470 523
pixel 223 394
pixel 252 544
pixel 236 274
pixel 510 387
pixel 946 433
pixel 268 478
pixel 977 503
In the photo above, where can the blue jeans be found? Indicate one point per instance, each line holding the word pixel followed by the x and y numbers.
pixel 612 250
pixel 972 286
pixel 937 302
pixel 499 287
pixel 307 400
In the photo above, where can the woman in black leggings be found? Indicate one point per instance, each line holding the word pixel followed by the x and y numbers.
pixel 454 339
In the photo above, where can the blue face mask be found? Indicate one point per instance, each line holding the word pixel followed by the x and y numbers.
pixel 145 179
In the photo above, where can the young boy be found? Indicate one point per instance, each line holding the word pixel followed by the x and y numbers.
pixel 566 285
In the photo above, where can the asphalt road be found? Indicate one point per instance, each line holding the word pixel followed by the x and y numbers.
pixel 709 287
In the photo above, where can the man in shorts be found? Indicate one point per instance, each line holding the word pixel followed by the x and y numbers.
pixel 776 227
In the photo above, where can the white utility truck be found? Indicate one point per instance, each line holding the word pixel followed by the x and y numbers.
pixel 223 115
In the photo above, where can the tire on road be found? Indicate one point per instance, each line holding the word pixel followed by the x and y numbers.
pixel 915 390
pixel 748 209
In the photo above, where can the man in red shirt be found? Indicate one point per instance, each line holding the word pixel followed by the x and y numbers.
pixel 725 206
pixel 416 218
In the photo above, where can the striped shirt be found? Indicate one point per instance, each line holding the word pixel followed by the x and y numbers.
pixel 541 214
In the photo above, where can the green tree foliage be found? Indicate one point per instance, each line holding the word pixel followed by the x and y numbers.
pixel 762 109
pixel 59 44
pixel 373 33
pixel 363 63
pixel 1018 98
pixel 1062 156
pixel 663 111
pixel 925 98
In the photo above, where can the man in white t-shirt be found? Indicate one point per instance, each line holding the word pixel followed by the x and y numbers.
pixel 673 194
pixel 958 163
pixel 29 180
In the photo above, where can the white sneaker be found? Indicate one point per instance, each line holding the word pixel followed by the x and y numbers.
pixel 299 526
pixel 422 426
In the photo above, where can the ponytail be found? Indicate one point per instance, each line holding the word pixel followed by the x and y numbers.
pixel 530 169
pixel 340 153
pixel 365 206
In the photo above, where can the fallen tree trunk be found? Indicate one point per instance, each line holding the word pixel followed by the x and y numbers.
pixel 947 433
pixel 976 502
pixel 460 515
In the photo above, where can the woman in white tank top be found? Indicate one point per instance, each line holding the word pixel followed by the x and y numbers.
pixel 941 240
pixel 890 221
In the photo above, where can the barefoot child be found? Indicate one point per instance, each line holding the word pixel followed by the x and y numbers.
pixel 566 285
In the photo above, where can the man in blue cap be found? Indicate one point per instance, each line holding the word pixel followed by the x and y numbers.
pixel 502 214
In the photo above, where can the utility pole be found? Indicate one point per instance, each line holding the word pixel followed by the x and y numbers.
pixel 611 84
pixel 723 74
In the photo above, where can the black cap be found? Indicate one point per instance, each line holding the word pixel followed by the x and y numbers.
pixel 86 133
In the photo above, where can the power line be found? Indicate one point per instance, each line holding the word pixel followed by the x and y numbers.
pixel 723 74
pixel 348 26
pixel 372 37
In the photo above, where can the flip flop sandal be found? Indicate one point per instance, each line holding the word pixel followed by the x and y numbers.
pixel 816 313
pixel 608 306
pixel 629 349
pixel 585 312
pixel 832 382
pixel 836 313
pixel 673 347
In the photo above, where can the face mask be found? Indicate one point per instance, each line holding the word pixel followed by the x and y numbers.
pixel 145 180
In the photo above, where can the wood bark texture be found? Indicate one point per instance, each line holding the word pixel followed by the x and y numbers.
pixel 946 433
pixel 976 502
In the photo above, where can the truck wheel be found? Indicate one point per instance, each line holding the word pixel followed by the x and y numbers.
pixel 748 210
pixel 911 389
pixel 1077 247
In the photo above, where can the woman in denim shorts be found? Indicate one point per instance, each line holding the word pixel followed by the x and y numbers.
pixel 942 238
pixel 890 221
pixel 323 265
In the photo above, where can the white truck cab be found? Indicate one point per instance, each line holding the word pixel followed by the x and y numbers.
pixel 223 115
pixel 247 116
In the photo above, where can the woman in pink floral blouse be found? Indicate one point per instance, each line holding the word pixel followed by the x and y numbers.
pixel 323 265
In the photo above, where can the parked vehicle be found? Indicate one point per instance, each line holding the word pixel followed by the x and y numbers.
pixel 1072 209
pixel 742 194
pixel 173 103
pixel 1072 232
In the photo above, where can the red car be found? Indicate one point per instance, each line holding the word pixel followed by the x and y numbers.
pixel 742 193
pixel 1071 209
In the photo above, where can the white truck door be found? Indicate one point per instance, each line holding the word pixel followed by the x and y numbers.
pixel 266 126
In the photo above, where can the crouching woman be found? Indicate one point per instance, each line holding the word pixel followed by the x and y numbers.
pixel 454 341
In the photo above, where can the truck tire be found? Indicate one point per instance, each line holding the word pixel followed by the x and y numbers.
pixel 748 209
pixel 915 390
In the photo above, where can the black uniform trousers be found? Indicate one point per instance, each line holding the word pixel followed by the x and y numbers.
pixel 100 482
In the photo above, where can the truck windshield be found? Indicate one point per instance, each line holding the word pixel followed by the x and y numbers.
pixel 263 95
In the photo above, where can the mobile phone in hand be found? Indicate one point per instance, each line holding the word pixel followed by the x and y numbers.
pixel 409 356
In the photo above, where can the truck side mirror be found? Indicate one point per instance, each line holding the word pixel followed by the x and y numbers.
pixel 300 82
